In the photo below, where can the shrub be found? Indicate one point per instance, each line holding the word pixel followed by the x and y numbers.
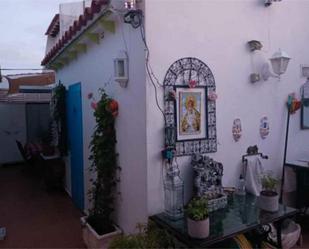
pixel 269 183
pixel 197 209
pixel 104 164
pixel 148 237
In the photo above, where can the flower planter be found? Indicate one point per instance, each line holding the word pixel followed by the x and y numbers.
pixel 198 229
pixel 217 203
pixel 269 203
pixel 93 240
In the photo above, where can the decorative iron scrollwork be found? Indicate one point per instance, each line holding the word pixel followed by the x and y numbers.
pixel 184 72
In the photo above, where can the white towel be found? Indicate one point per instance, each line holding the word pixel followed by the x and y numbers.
pixel 254 171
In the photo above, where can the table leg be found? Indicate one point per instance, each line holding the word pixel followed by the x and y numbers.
pixel 278 225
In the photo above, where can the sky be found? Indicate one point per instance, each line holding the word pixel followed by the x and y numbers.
pixel 23 24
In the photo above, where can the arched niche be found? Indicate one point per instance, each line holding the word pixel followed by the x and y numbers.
pixel 178 84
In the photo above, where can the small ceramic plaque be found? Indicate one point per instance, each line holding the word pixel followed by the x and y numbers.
pixel 236 129
pixel 264 127
pixel 212 96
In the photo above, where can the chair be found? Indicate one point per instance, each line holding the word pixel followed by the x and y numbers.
pixel 53 173
pixel 22 151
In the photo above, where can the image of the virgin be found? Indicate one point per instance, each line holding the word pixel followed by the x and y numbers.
pixel 190 118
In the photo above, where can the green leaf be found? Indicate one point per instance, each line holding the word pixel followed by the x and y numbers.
pixel 104 163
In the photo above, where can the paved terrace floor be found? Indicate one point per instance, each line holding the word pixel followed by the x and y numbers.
pixel 33 217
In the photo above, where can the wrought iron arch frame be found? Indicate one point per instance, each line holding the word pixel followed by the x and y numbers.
pixel 180 74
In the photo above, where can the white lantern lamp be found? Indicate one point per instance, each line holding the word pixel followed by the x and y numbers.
pixel 279 62
pixel 130 4
pixel 121 69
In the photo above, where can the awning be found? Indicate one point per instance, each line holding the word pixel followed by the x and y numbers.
pixel 38 79
pixel 24 97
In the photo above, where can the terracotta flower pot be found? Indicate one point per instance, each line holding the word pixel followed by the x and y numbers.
pixel 198 229
pixel 93 240
pixel 269 201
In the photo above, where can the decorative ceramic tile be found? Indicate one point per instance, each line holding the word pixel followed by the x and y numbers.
pixel 264 127
pixel 236 130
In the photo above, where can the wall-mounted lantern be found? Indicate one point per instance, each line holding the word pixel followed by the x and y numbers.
pixel 130 4
pixel 267 3
pixel 279 62
pixel 253 46
pixel 304 71
pixel 121 69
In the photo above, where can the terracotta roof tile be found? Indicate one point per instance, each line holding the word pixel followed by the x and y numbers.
pixel 54 26
pixel 96 7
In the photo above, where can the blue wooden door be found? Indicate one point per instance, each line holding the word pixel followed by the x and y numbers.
pixel 75 134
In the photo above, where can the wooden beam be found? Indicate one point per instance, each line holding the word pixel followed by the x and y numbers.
pixel 53 67
pixel 94 37
pixel 57 65
pixel 64 60
pixel 108 25
pixel 72 54
pixel 77 43
pixel 80 47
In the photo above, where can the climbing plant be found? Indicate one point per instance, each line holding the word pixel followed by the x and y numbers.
pixel 58 114
pixel 104 164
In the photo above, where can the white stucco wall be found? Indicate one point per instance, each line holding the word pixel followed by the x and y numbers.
pixel 13 127
pixel 69 12
pixel 216 31
pixel 51 42
pixel 93 69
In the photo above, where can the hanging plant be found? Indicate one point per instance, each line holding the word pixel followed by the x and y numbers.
pixel 58 113
pixel 104 164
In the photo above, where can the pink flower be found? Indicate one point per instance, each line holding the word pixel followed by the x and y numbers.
pixel 115 114
pixel 90 95
pixel 192 83
pixel 94 105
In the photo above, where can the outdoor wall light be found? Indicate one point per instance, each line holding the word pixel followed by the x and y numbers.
pixel 121 69
pixel 253 46
pixel 304 71
pixel 269 2
pixel 134 16
pixel 279 62
pixel 130 4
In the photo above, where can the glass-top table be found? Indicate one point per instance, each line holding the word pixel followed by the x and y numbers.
pixel 240 216
pixel 301 163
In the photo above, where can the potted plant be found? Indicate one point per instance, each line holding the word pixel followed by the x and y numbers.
pixel 98 227
pixel 269 197
pixel 197 218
